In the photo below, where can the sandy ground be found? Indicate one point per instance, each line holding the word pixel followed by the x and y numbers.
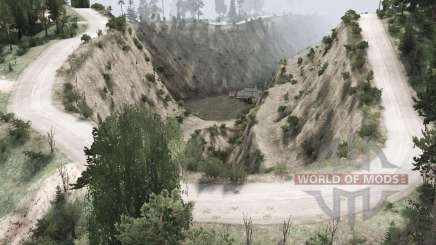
pixel 266 203
pixel 6 86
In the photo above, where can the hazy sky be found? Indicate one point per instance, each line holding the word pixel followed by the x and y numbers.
pixel 325 7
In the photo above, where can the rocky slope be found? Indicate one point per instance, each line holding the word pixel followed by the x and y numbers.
pixel 320 105
pixel 110 72
pixel 198 59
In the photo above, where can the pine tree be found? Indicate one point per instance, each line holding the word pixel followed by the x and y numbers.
pixel 131 13
pixel 232 11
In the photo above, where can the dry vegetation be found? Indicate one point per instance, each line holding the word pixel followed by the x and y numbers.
pixel 107 73
pixel 319 106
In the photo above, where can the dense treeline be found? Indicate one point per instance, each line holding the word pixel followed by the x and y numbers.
pixel 414 23
pixel 80 3
pixel 28 17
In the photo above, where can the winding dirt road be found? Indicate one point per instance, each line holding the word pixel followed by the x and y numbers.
pixel 271 202
pixel 266 203
pixel 32 99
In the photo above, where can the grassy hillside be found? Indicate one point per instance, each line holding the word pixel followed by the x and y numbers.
pixel 25 158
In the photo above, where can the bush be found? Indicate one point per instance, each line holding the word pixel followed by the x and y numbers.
pixel 368 94
pixel 370 124
pixel 362 45
pixel 350 16
pixel 138 44
pixel 346 75
pixel 36 162
pixel 70 97
pixel 98 6
pixel 358 62
pixel 84 109
pixel 293 126
pixel 281 109
pixel 369 129
pixel 323 68
pixel 20 131
pixel 213 168
pixel 300 61
pixel 80 3
pixel 85 38
pixel 7 117
pixel 59 225
pixel 150 77
pixel 343 150
pixel 108 81
pixel 117 23
pixel 281 169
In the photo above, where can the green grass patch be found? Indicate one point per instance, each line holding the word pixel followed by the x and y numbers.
pixel 22 164
pixel 14 61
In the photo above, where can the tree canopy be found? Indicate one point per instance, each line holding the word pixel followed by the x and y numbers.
pixel 132 157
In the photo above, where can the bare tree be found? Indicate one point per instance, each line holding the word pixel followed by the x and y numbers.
pixel 51 140
pixel 248 224
pixel 286 229
pixel 65 177
pixel 331 230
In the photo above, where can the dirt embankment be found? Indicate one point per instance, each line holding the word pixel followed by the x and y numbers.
pixel 199 60
pixel 110 72
pixel 317 107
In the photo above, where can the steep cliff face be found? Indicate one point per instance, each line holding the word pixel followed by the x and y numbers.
pixel 198 59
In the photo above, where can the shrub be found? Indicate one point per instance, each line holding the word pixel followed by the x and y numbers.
pixel 358 62
pixel 282 109
pixel 343 150
pixel 237 173
pixel 350 16
pixel 84 109
pixel 20 131
pixel 147 59
pixel 36 162
pixel 85 38
pixel 311 54
pixel 98 6
pixel 369 129
pixel 150 77
pixel 7 117
pixel 323 68
pixel 117 23
pixel 108 80
pixel 60 225
pixel 138 44
pixel 346 75
pixel 300 61
pixel 362 45
pixel 281 169
pixel 213 168
pixel 368 94
pixel 370 124
pixel 80 3
pixel 370 76
pixel 292 127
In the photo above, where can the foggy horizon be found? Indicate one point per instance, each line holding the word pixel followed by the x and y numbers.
pixel 332 8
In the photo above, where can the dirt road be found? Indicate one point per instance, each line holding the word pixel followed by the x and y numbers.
pixel 265 202
pixel 32 99
pixel 272 202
